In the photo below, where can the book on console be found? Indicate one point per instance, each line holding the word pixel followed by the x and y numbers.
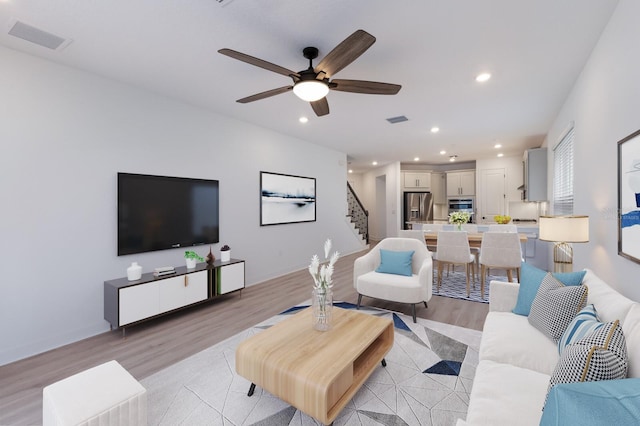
pixel 160 274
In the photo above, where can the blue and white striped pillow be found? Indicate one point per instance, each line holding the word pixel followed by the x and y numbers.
pixel 583 324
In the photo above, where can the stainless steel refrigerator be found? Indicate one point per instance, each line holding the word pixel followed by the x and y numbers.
pixel 417 207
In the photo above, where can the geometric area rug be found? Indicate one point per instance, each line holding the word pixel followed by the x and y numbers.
pixel 427 381
pixel 454 285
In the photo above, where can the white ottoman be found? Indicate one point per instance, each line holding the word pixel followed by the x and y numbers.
pixel 106 395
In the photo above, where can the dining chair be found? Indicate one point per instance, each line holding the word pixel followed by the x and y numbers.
pixel 453 248
pixel 431 228
pixel 499 250
pixel 412 233
pixel 472 228
pixel 503 228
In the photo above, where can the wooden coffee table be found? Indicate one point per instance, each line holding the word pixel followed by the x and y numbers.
pixel 318 372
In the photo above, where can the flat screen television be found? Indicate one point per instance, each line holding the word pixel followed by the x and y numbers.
pixel 160 212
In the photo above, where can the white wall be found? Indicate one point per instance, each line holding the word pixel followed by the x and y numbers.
pixel 604 105
pixel 355 180
pixel 385 223
pixel 65 134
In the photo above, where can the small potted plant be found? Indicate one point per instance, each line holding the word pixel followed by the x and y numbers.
pixel 225 253
pixel 191 258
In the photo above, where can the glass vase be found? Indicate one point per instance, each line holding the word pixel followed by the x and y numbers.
pixel 459 226
pixel 321 308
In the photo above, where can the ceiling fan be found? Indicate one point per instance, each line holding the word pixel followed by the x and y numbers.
pixel 313 84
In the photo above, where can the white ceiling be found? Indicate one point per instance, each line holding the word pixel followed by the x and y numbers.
pixel 534 50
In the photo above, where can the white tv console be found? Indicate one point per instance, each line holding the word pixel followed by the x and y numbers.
pixel 130 302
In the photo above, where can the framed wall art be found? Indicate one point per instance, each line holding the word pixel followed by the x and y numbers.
pixel 286 199
pixel 629 197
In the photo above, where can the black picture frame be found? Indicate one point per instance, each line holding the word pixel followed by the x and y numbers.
pixel 286 199
pixel 629 197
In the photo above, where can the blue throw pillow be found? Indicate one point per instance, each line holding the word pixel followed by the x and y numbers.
pixel 395 262
pixel 530 280
pixel 583 324
pixel 606 402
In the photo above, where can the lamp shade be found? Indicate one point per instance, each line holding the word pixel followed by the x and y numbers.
pixel 310 90
pixel 566 229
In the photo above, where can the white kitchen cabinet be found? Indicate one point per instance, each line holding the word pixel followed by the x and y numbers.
pixel 230 278
pixel 535 175
pixel 461 183
pixel 417 181
pixel 438 188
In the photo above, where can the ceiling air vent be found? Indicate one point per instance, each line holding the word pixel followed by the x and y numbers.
pixel 398 119
pixel 35 35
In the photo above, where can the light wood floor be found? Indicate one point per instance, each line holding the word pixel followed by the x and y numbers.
pixel 156 344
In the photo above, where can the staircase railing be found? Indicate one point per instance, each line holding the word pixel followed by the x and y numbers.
pixel 359 215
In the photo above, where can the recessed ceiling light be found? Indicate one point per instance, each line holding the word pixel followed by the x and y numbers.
pixel 375 163
pixel 481 78
pixel 443 152
pixel 497 146
pixel 500 155
pixel 416 159
pixel 350 171
pixel 435 129
pixel 303 119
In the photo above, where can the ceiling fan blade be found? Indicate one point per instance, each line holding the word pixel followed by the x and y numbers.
pixel 320 107
pixel 258 62
pixel 266 94
pixel 367 87
pixel 345 53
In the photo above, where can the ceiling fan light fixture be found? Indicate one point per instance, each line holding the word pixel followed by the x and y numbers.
pixel 311 90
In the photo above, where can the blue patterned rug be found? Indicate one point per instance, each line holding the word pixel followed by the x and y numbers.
pixel 455 286
pixel 427 381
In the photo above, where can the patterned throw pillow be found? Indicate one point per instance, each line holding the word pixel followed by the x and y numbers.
pixel 585 323
pixel 601 355
pixel 555 306
pixel 530 280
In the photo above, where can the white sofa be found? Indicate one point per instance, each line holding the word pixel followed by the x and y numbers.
pixel 516 360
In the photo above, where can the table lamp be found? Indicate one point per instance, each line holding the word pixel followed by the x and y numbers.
pixel 564 230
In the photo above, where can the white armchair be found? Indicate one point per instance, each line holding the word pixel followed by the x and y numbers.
pixel 396 288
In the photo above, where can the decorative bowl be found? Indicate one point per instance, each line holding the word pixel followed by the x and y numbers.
pixel 502 220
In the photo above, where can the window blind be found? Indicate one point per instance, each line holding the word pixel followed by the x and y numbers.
pixel 563 176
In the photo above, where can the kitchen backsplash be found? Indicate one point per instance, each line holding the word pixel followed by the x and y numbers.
pixel 522 210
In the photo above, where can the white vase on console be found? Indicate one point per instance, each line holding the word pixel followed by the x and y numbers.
pixel 134 272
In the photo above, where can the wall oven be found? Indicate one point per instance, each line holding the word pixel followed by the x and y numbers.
pixel 463 205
